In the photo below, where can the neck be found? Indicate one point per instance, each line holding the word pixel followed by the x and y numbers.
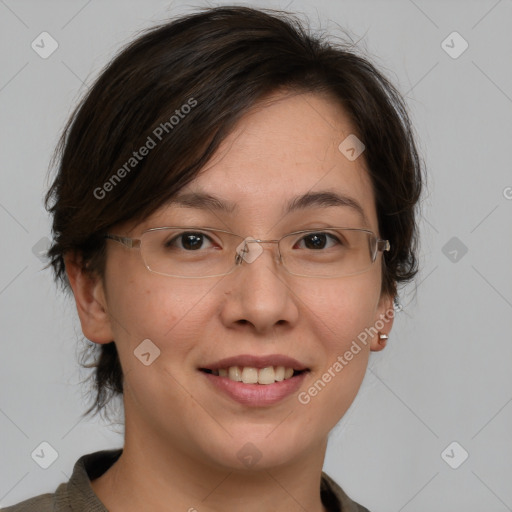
pixel 151 475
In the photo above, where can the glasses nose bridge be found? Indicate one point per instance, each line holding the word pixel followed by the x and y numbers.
pixel 264 241
pixel 258 241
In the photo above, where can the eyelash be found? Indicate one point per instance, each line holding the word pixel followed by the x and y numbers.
pixel 171 242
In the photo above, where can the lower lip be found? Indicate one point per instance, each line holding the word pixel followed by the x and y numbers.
pixel 257 395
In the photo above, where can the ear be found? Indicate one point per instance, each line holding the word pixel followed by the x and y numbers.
pixel 383 321
pixel 90 301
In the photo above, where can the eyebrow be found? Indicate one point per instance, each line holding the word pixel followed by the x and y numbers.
pixel 322 199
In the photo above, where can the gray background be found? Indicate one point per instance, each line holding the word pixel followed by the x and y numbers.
pixel 445 375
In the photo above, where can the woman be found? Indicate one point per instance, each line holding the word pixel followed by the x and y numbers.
pixel 234 208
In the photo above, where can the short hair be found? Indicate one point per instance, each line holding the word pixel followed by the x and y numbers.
pixel 196 76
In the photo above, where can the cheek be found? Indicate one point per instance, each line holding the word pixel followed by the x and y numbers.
pixel 169 312
pixel 340 314
pixel 341 309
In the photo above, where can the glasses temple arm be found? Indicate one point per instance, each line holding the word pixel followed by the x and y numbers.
pixel 126 241
pixel 383 245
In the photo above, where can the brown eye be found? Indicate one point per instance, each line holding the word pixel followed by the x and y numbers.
pixel 189 241
pixel 316 241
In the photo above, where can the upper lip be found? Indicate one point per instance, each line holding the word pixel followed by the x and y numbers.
pixel 256 362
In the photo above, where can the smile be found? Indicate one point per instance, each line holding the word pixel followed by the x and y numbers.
pixel 251 375
pixel 242 384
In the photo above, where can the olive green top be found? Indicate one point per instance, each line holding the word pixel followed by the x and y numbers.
pixel 77 495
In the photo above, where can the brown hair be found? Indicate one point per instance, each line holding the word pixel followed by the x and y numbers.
pixel 186 83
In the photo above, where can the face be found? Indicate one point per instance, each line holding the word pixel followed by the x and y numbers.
pixel 283 149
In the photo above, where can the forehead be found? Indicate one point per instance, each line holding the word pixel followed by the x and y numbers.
pixel 282 153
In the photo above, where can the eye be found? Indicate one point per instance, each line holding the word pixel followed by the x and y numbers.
pixel 317 241
pixel 189 241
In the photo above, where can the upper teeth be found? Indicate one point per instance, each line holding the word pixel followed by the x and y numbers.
pixel 251 375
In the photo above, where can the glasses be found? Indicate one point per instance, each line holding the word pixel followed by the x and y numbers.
pixel 197 252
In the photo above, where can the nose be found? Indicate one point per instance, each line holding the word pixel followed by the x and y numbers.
pixel 257 293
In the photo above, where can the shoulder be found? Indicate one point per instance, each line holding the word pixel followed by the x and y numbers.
pixel 41 503
pixel 76 495
pixel 335 499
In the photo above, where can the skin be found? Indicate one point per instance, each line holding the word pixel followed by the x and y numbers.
pixel 182 435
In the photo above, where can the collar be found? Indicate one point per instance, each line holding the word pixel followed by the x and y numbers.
pixel 77 495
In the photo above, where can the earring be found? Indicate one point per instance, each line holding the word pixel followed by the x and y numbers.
pixel 383 338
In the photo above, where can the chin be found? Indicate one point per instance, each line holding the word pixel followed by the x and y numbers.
pixel 263 448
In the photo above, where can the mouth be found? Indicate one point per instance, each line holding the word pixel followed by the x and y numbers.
pixel 255 381
pixel 252 375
